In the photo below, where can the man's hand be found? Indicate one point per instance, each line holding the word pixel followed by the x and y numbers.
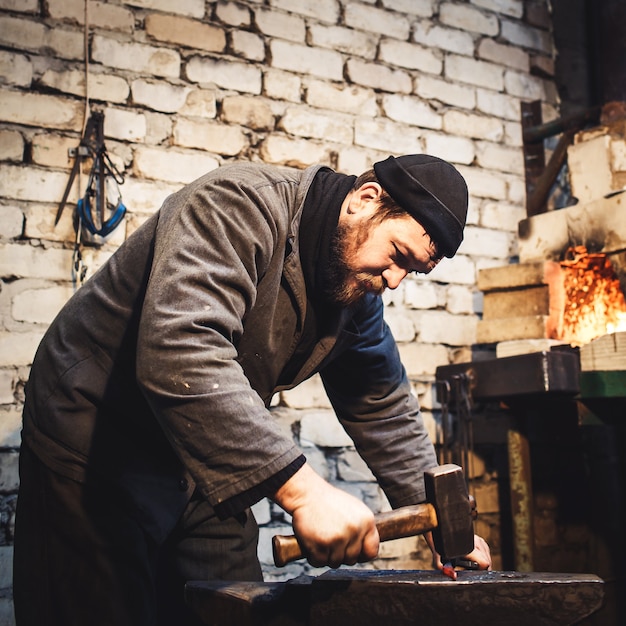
pixel 332 527
pixel 481 554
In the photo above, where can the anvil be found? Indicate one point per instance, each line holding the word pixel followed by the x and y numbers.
pixel 399 598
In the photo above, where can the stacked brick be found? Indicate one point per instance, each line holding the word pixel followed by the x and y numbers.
pixel 187 86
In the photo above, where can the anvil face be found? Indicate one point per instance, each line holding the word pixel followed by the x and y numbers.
pixel 400 598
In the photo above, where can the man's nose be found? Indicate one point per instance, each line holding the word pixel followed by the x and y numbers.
pixel 393 276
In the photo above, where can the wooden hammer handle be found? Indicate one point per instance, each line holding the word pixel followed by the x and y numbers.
pixel 406 521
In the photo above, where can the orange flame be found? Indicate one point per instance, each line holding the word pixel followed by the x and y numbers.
pixel 595 301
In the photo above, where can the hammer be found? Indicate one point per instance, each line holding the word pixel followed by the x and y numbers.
pixel 448 513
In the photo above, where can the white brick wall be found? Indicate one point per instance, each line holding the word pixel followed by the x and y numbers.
pixel 186 86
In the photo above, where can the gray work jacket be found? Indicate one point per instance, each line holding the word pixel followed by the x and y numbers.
pixel 159 371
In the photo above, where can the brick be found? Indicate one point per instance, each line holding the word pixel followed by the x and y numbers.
pixel 344 98
pixel 480 73
pixel 308 395
pixel 443 38
pixel 590 172
pixel 323 429
pixel 9 475
pixel 470 125
pixel 146 195
pixel 185 32
pixel 281 25
pixel 525 36
pixel 460 269
pixel 34 109
pixel 385 135
pixel 487 242
pixel 344 40
pixel 502 216
pixel 23 6
pixel 510 56
pixel 401 325
pixel 440 327
pixel 419 294
pixel 307 60
pixel 15 69
pixel 411 56
pixel 450 148
pixel 125 125
pixel 200 103
pixel 158 127
pixel 233 14
pixel 411 110
pixel 25 261
pixel 371 19
pixel 319 125
pixel 172 165
pixel 11 145
pixel 32 183
pixel 513 8
pixel 251 112
pixel 530 301
pixel 11 221
pixel 226 74
pixel 40 224
pixel 101 14
pixel 352 468
pixel 460 300
pixel 468 18
pixel 498 104
pixel 495 156
pixel 52 150
pixel 211 136
pixel 190 8
pixel 356 159
pixel 160 96
pixel 432 88
pixel 300 153
pixel 511 329
pixel 281 85
pixel 423 8
pixel 102 86
pixel 18 349
pixel 378 76
pixel 542 66
pixel 136 57
pixel 524 86
pixel 322 10
pixel 248 45
pixel 423 358
pixel 7 391
pixel 39 306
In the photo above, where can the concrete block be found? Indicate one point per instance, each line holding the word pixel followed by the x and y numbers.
pixel 248 45
pixel 512 328
pixel 283 150
pixel 160 96
pixel 374 20
pixel 343 98
pixel 11 145
pixel 15 69
pixel 306 60
pixel 35 109
pixel 387 136
pixel 322 10
pixel 468 18
pixel 411 110
pixel 441 327
pixel 136 57
pixel 590 171
pixel 319 125
pixel 433 88
pixel 211 136
pixel 475 72
pixel 443 38
pixel 185 32
pixel 379 76
pixel 526 302
pixel 237 76
pixel 411 56
pixel 273 23
pixel 101 14
pixel 345 40
pixel 251 112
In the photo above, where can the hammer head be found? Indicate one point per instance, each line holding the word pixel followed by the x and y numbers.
pixel 447 492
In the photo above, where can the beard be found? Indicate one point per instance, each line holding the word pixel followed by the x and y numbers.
pixel 343 284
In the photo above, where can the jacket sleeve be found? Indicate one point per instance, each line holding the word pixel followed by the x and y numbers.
pixel 214 242
pixel 369 390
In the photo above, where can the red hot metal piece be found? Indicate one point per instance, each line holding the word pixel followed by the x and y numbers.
pixel 449 571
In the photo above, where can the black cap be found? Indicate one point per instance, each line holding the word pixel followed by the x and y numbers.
pixel 432 191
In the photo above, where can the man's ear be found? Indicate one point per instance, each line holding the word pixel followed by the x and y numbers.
pixel 367 196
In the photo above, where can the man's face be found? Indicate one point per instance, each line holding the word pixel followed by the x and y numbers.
pixel 369 255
